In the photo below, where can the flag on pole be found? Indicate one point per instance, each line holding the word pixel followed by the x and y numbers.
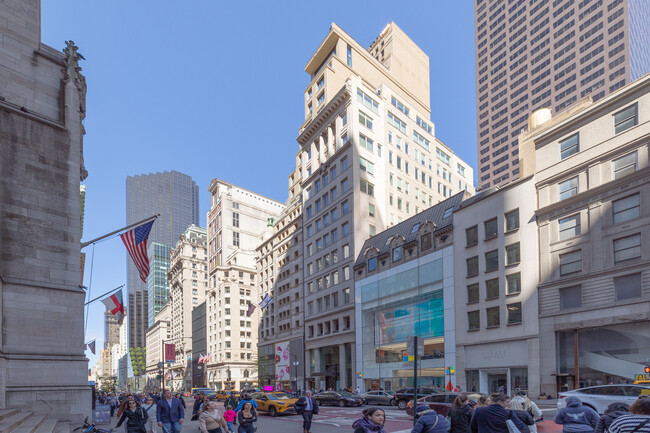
pixel 115 305
pixel 135 241
pixel 200 361
pixel 251 309
pixel 266 300
pixel 91 346
pixel 449 386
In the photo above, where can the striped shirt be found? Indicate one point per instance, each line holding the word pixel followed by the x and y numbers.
pixel 631 423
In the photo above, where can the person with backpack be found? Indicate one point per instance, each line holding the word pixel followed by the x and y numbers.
pixel 429 421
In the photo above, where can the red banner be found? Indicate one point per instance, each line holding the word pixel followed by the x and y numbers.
pixel 170 353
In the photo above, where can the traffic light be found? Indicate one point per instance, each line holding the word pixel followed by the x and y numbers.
pixel 647 369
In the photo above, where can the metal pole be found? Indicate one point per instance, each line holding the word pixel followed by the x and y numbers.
pixel 415 377
pixel 101 296
pixel 85 244
pixel 162 387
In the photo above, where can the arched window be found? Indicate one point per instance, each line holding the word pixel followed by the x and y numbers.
pixel 246 373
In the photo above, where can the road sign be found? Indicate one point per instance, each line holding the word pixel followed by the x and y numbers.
pixel 410 350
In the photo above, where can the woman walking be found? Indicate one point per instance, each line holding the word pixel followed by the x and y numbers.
pixel 210 420
pixel 137 418
pixel 150 407
pixel 372 421
pixel 460 415
pixel 613 411
pixel 246 417
pixel 518 409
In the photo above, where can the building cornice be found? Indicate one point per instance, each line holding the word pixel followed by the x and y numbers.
pixel 323 116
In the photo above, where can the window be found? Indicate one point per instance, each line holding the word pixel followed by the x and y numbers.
pixel 492 289
pixel 346 229
pixel 460 169
pixel 514 313
pixel 397 104
pixel 320 83
pixel 365 120
pixel 367 187
pixel 472 293
pixel 397 254
pixel 396 122
pixel 349 55
pixel 512 220
pixel 513 255
pixel 335 235
pixel 366 166
pixel 627 248
pixel 493 318
pixel 570 262
pixel 626 208
pixel 235 239
pixel 491 229
pixel 372 230
pixel 345 207
pixel 235 219
pixel 472 235
pixel 426 242
pixel 318 205
pixel 367 101
pixel 309 212
pixel 344 163
pixel 345 185
pixel 569 146
pixel 625 119
pixel 371 209
pixel 628 286
pixel 472 266
pixel 442 156
pixel 448 212
pixel 415 227
pixel 569 226
pixel 569 188
pixel 346 251
pixel 491 260
pixel 421 140
pixel 473 320
pixel 624 165
pixel 513 283
pixel 570 297
pixel 321 98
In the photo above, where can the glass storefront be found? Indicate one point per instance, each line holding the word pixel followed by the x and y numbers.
pixel 606 355
pixel 494 380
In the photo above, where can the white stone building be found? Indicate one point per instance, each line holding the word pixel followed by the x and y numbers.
pixel 188 282
pixel 156 336
pixel 236 220
pixel 496 268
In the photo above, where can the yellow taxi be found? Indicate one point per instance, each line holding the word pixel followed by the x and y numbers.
pixel 643 379
pixel 223 395
pixel 275 403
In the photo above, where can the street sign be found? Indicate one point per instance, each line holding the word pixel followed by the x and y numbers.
pixel 410 349
pixel 160 365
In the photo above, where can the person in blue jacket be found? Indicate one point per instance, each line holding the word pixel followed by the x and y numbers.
pixel 429 421
pixel 170 413
pixel 492 418
pixel 244 399
pixel 576 418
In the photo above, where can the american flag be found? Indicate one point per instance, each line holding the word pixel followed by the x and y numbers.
pixel 135 241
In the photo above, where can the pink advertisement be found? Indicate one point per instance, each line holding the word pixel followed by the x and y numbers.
pixel 282 362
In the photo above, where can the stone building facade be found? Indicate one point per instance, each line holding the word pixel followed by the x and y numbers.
pixel 592 177
pixel 42 106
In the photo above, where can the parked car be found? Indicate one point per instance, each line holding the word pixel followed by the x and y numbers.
pixel 441 403
pixel 339 398
pixel 223 395
pixel 380 397
pixel 275 403
pixel 599 397
pixel 404 395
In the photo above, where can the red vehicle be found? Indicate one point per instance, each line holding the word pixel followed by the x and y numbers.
pixel 441 403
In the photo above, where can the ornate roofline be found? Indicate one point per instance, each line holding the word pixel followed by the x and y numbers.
pixel 317 123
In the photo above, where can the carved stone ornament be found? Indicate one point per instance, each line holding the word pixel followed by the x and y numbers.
pixel 72 72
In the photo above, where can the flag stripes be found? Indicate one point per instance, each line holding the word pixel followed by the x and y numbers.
pixel 135 241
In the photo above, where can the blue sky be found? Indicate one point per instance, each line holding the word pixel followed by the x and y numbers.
pixel 207 87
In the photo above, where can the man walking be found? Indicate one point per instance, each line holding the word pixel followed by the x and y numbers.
pixel 307 407
pixel 492 418
pixel 170 413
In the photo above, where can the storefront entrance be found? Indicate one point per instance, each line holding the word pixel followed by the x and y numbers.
pixel 497 382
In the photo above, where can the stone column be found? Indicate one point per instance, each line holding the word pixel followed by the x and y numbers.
pixel 317 369
pixel 307 369
pixel 343 366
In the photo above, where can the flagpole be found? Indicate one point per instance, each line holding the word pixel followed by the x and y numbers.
pixel 85 244
pixel 101 296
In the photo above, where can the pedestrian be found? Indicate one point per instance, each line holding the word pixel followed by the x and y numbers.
pixel 429 421
pixel 637 422
pixel 530 407
pixel 502 389
pixel 123 406
pixel 460 415
pixel 205 399
pixel 613 411
pixel 111 400
pixel 169 413
pixel 247 417
pixel 232 401
pixel 246 399
pixel 137 417
pixel 150 407
pixel 371 421
pixel 229 415
pixel 196 408
pixel 179 396
pixel 210 420
pixel 307 407
pixel 483 401
pixel 576 418
pixel 358 390
pixel 492 418
pixel 518 409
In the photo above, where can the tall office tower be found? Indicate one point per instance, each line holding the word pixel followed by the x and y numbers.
pixel 548 54
pixel 173 195
pixel 280 275
pixel 111 330
pixel 188 282
pixel 236 220
pixel 157 284
pixel 368 159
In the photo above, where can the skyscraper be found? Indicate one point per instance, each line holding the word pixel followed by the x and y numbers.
pixel 548 54
pixel 175 197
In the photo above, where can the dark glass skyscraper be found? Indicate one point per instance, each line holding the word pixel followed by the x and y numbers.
pixel 173 195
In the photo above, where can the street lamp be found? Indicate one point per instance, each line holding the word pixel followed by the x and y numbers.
pixel 295 364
